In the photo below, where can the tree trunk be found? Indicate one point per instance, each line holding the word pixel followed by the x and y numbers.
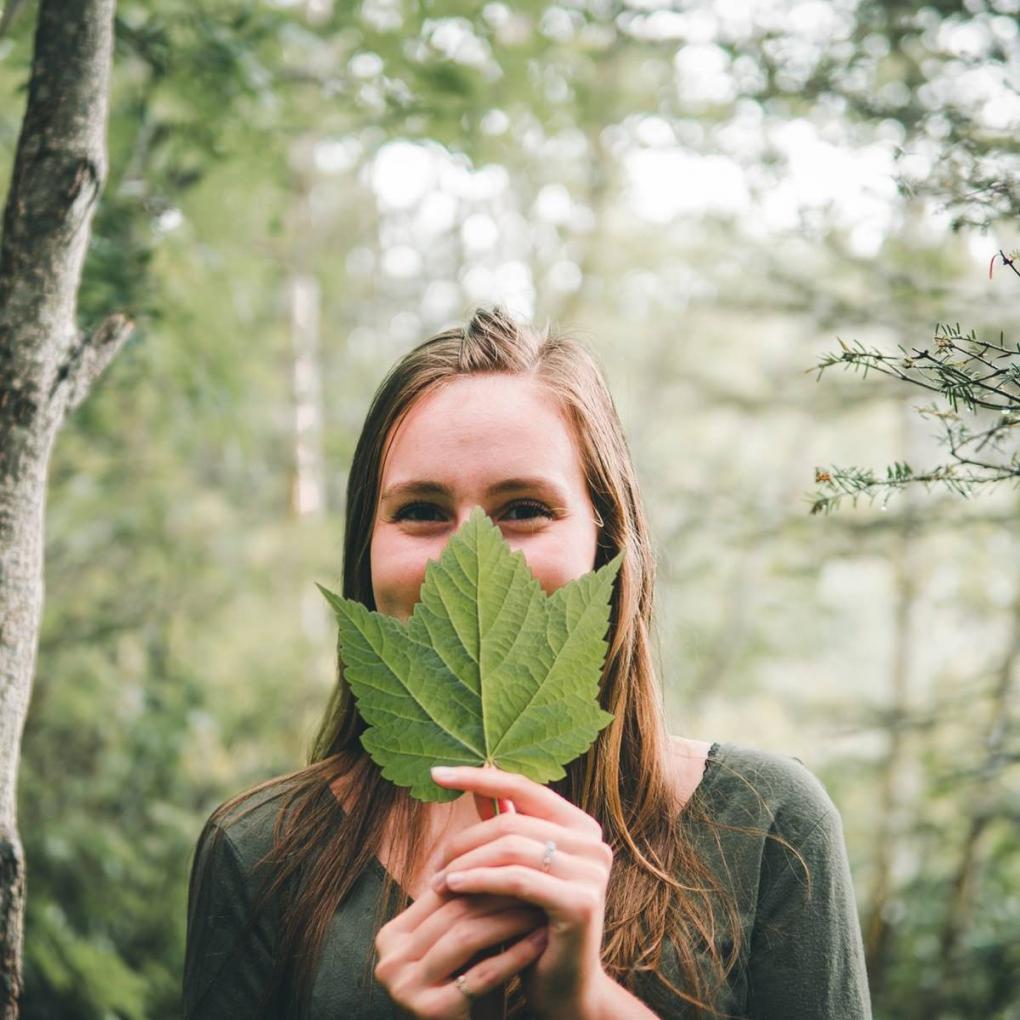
pixel 986 805
pixel 878 934
pixel 46 367
pixel 308 484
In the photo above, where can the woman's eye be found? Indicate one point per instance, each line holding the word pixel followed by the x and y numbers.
pixel 418 512
pixel 427 513
pixel 527 509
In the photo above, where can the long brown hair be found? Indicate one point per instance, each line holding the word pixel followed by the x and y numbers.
pixel 659 890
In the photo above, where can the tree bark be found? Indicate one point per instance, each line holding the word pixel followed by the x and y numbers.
pixel 46 367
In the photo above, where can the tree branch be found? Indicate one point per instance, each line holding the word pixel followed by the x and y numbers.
pixel 88 358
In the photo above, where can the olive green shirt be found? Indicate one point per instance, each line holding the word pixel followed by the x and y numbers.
pixel 802 957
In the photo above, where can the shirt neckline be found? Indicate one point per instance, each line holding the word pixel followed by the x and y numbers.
pixel 708 774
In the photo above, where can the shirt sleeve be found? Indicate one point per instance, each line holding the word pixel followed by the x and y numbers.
pixel 229 955
pixel 807 957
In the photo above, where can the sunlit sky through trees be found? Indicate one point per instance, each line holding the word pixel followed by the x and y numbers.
pixel 771 173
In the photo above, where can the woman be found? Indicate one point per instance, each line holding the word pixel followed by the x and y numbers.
pixel 661 878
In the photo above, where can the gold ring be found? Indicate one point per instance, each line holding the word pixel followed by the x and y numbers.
pixel 461 983
pixel 550 849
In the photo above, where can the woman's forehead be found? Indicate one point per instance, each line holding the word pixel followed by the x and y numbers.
pixel 505 425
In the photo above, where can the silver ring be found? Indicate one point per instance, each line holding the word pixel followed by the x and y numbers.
pixel 461 982
pixel 550 849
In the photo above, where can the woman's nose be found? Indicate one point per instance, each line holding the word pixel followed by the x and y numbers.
pixel 462 513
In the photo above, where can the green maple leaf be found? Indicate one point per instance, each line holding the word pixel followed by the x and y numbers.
pixel 489 670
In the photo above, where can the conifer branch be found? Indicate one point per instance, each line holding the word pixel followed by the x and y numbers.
pixel 982 376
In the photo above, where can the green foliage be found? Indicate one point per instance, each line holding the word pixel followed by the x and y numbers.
pixel 487 671
pixel 982 375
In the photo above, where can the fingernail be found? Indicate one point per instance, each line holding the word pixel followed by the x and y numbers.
pixel 454 879
pixel 441 772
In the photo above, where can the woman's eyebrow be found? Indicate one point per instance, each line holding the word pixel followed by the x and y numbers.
pixel 519 484
pixel 402 489
pixel 423 488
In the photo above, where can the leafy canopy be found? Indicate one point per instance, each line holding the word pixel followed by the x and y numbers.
pixel 489 670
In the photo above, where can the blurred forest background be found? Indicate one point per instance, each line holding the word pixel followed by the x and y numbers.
pixel 710 193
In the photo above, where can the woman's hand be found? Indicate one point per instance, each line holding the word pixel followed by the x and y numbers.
pixel 424 949
pixel 547 853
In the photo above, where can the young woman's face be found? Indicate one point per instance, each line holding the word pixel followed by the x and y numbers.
pixel 495 441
